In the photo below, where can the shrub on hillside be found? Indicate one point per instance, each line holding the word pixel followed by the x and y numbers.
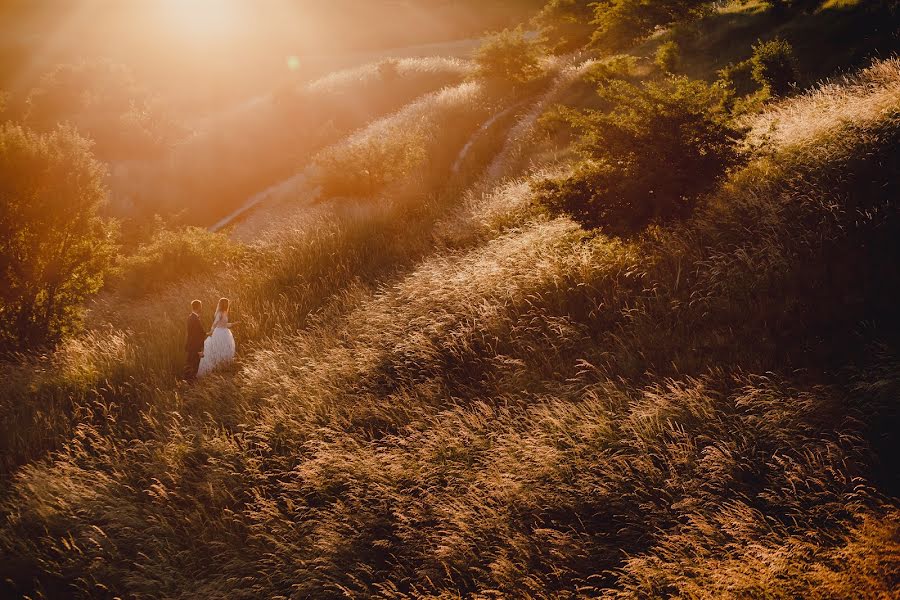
pixel 566 24
pixel 172 255
pixel 508 58
pixel 54 249
pixel 647 158
pixel 743 94
pixel 738 77
pixel 620 23
pixel 668 56
pixel 774 66
pixel 364 167
pixel 620 66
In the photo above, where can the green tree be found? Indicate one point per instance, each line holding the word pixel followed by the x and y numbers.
pixel 620 23
pixel 668 56
pixel 509 58
pixel 54 248
pixel 647 158
pixel 566 24
pixel 774 66
pixel 172 255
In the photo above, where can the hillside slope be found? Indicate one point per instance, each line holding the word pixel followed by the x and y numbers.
pixel 534 411
pixel 444 391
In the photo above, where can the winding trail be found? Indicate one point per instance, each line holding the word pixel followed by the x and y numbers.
pixel 279 188
pixel 518 135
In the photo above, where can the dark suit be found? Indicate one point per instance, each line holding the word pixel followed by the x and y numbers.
pixel 193 345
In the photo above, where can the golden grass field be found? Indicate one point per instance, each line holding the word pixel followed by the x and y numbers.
pixel 443 392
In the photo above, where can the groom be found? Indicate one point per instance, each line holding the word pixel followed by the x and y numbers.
pixel 193 346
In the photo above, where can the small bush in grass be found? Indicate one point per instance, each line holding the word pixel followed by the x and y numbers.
pixel 364 167
pixel 510 59
pixel 774 66
pixel 743 94
pixel 738 77
pixel 620 66
pixel 647 158
pixel 173 255
pixel 668 57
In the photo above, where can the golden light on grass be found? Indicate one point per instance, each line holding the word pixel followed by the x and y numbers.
pixel 442 388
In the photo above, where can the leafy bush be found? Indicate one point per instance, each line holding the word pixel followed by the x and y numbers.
pixel 510 59
pixel 54 249
pixel 743 94
pixel 738 77
pixel 364 167
pixel 621 23
pixel 566 24
pixel 774 66
pixel 173 255
pixel 668 56
pixel 645 159
pixel 620 66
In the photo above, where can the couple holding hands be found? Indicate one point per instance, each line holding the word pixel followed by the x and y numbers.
pixel 208 350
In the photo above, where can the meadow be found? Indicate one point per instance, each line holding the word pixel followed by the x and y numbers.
pixel 446 390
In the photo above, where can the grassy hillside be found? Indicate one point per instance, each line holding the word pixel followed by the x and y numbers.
pixel 445 390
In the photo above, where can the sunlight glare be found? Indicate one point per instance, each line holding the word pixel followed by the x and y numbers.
pixel 203 21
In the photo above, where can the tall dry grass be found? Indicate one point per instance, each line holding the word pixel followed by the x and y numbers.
pixel 529 411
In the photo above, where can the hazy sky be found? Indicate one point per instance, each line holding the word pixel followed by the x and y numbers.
pixel 187 48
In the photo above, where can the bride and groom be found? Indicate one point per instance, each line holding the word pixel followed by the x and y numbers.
pixel 207 351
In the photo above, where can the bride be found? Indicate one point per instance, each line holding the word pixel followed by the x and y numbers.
pixel 218 349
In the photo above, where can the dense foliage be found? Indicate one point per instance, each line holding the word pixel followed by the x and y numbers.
pixel 667 56
pixel 509 58
pixel 646 158
pixel 774 66
pixel 611 24
pixel 54 249
pixel 173 255
pixel 620 23
pixel 566 24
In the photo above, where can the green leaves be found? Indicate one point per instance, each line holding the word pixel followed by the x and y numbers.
pixel 54 248
pixel 509 58
pixel 647 157
pixel 620 23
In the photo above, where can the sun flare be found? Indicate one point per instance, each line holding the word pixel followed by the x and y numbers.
pixel 203 20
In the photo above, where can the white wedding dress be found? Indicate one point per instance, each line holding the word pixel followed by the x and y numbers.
pixel 218 349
